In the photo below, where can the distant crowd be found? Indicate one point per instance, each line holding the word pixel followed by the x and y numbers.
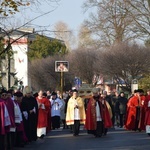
pixel 26 116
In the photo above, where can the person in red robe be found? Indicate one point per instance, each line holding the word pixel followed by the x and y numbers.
pixel 43 110
pixel 134 112
pixel 48 113
pixel 147 112
pixel 107 114
pixel 97 116
pixel 3 126
pixel 10 107
pixel 142 115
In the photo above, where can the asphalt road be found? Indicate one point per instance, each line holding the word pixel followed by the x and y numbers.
pixel 116 139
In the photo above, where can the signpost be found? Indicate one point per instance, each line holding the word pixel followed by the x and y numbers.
pixel 61 66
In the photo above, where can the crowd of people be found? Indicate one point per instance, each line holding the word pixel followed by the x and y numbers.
pixel 26 116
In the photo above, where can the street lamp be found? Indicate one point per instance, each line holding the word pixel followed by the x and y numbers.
pixel 134 85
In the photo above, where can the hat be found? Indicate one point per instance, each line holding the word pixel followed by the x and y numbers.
pixel 3 91
pixel 44 94
pixel 95 90
pixel 141 90
pixel 75 90
pixel 54 93
pixel 137 91
pixel 18 94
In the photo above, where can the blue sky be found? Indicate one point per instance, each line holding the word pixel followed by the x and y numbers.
pixel 68 11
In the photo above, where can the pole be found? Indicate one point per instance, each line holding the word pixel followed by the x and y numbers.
pixel 6 75
pixel 9 80
pixel 62 82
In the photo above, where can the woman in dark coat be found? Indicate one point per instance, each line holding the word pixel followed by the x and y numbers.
pixel 121 105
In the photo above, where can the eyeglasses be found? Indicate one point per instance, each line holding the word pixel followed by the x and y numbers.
pixel 3 94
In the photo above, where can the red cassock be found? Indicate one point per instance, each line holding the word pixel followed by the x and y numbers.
pixel 142 121
pixel 147 109
pixel 106 116
pixel 2 120
pixel 90 123
pixel 131 115
pixel 43 113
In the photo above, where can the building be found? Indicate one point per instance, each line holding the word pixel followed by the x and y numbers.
pixel 19 40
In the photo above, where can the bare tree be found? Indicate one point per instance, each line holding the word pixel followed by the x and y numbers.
pixel 43 75
pixel 8 11
pixel 142 18
pixel 7 31
pixel 85 39
pixel 124 63
pixel 82 63
pixel 111 22
pixel 63 32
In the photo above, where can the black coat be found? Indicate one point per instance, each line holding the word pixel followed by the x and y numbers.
pixel 30 124
pixel 121 105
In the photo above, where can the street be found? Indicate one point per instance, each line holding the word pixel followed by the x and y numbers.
pixel 116 139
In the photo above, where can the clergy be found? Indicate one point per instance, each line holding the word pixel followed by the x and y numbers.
pixel 75 112
pixel 43 110
pixel 98 118
pixel 29 108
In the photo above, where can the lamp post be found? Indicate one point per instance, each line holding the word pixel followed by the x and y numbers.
pixel 134 85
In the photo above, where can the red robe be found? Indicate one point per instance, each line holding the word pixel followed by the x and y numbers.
pixel 2 120
pixel 142 120
pixel 43 113
pixel 106 116
pixel 90 123
pixel 130 123
pixel 147 110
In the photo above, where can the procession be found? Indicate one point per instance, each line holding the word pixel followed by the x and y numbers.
pixel 74 75
pixel 27 116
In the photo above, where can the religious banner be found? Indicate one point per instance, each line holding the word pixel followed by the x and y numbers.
pixel 61 66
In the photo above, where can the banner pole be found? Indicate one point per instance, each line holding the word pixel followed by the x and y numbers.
pixel 62 82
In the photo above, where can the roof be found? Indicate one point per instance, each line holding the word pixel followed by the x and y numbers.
pixel 30 32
